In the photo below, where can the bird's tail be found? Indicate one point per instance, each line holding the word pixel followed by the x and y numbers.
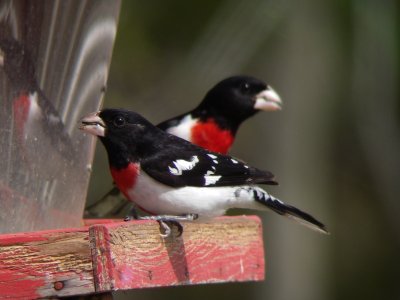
pixel 270 202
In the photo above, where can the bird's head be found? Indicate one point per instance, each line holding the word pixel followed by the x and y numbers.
pixel 240 97
pixel 125 134
pixel 115 123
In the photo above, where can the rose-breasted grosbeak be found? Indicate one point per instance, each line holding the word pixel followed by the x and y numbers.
pixel 168 176
pixel 36 121
pixel 214 123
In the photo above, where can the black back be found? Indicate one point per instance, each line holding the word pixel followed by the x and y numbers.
pixel 131 138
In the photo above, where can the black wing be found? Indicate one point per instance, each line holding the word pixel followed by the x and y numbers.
pixel 181 163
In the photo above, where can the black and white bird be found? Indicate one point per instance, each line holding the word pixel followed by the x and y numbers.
pixel 173 179
pixel 213 124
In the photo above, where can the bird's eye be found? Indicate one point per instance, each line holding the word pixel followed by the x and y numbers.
pixel 119 121
pixel 245 87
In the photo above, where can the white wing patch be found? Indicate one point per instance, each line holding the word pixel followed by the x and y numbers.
pixel 234 161
pixel 183 165
pixel 212 156
pixel 184 128
pixel 211 179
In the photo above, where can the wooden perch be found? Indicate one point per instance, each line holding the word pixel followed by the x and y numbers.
pixel 127 255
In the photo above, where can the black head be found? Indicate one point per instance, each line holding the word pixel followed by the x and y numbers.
pixel 17 64
pixel 125 134
pixel 121 121
pixel 238 98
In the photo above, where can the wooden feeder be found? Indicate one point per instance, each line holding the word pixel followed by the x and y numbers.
pixel 127 255
pixel 46 250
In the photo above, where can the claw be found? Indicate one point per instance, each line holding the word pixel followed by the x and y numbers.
pixel 166 225
pixel 179 227
pixel 167 229
pixel 166 221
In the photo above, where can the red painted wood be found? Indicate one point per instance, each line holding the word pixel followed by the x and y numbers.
pixel 127 255
pixel 101 257
pixel 46 263
pixel 227 249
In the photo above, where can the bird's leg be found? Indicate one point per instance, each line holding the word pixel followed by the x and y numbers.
pixel 133 215
pixel 167 228
pixel 166 220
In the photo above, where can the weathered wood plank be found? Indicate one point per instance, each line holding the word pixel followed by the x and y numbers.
pixel 226 249
pixel 46 263
pixel 126 255
pixel 102 262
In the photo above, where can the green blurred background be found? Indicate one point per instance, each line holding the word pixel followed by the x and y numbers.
pixel 335 147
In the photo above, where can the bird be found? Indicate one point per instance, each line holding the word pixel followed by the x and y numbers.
pixel 213 124
pixel 37 122
pixel 174 180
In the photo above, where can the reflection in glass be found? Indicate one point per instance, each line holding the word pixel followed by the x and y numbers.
pixel 53 68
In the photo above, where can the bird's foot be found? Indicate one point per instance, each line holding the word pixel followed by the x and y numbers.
pixel 167 221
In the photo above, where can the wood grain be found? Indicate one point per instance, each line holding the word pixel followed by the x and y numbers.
pixel 42 264
pixel 126 255
pixel 226 249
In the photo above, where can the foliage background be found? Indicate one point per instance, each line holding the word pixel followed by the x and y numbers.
pixel 334 147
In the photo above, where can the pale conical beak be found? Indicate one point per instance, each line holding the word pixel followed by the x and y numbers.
pixel 268 100
pixel 93 124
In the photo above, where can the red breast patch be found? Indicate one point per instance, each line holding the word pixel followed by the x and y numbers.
pixel 209 136
pixel 125 178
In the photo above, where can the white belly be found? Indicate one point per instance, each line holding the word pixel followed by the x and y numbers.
pixel 159 199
